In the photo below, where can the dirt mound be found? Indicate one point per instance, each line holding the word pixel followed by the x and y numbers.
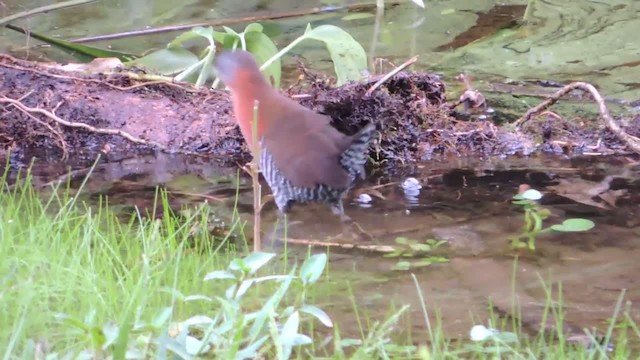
pixel 76 115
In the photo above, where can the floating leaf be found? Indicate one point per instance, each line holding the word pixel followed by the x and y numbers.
pixel 574 225
pixel 402 266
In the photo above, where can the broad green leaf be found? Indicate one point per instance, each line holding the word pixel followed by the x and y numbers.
pixel 420 247
pixel 184 37
pixel 263 48
pixel 168 61
pixel 318 314
pixel 290 329
pixel 574 225
pixel 79 51
pixel 300 339
pixel 253 27
pixel 197 297
pixel 402 266
pixel 349 57
pixel 195 346
pixel 238 265
pixel 219 274
pixel 312 268
pixel 256 260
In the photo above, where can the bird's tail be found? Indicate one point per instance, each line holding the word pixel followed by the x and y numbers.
pixel 355 156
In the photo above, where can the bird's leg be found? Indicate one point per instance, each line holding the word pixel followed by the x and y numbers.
pixel 338 209
pixel 348 225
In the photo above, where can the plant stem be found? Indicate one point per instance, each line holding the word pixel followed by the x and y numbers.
pixel 255 174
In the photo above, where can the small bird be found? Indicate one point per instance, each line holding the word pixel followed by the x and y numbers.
pixel 303 158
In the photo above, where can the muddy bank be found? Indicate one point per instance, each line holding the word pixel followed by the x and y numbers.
pixel 76 115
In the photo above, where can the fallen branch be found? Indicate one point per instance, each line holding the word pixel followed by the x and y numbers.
pixel 52 116
pixel 630 140
pixel 345 246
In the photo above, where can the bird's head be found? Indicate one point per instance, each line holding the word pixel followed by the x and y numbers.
pixel 238 69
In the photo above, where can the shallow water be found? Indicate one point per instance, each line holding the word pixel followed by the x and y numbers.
pixel 585 40
pixel 463 201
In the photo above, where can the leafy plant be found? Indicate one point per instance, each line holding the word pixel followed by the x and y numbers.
pixel 349 58
pixel 412 248
pixel 231 329
pixel 534 215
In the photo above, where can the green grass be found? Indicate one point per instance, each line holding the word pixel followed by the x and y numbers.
pixel 75 278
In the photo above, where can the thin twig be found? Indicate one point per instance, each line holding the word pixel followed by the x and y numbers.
pixel 391 74
pixel 306 12
pixel 630 140
pixel 346 246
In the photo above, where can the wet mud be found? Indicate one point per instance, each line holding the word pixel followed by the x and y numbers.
pixel 412 113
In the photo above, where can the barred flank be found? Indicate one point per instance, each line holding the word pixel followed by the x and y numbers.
pixel 285 193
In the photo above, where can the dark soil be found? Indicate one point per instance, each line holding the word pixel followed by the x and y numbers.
pixel 410 109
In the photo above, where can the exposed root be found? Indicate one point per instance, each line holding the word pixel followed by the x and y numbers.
pixel 630 140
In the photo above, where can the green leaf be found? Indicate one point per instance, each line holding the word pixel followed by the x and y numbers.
pixel 349 57
pixel 402 266
pixel 574 225
pixel 219 274
pixel 402 240
pixel 81 52
pixel 312 268
pixel 251 351
pixel 168 61
pixel 195 346
pixel 357 16
pixel 290 329
pixel 318 314
pixel 256 260
pixel 162 317
pixel 420 247
pixel 263 48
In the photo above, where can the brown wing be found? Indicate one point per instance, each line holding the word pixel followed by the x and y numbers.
pixel 305 147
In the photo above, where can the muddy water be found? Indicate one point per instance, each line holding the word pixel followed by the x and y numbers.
pixel 465 203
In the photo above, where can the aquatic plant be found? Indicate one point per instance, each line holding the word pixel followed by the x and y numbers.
pixel 533 217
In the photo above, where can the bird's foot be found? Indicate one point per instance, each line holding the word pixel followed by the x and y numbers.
pixel 356 231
